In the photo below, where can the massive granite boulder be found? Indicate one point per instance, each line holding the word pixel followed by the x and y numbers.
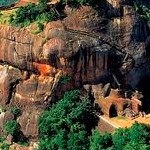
pixel 89 47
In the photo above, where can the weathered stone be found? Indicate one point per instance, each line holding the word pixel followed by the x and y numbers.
pixel 9 77
pixel 33 91
pixel 84 45
pixel 29 124
pixel 9 139
pixel 16 146
pixel 8 116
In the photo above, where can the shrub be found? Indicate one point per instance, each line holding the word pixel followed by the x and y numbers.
pixel 64 79
pixel 2 109
pixel 16 111
pixel 2 139
pixel 12 128
pixel 39 29
pixel 26 15
pixel 4 146
pixel 40 26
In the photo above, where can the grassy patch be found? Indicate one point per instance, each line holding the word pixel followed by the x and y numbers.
pixel 40 27
pixel 121 117
pixel 5 16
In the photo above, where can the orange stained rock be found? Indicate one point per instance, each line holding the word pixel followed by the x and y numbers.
pixel 44 69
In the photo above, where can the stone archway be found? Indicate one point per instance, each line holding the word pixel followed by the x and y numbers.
pixel 113 111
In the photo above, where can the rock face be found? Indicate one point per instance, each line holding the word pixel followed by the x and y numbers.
pixel 84 45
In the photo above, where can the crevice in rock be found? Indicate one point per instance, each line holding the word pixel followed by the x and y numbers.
pixel 12 91
pixel 17 42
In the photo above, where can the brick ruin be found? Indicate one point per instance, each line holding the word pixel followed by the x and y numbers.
pixel 114 102
pixel 118 105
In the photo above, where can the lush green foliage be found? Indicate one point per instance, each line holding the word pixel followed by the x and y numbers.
pixel 5 3
pixel 136 146
pixel 98 141
pixel 64 126
pixel 95 140
pixel 135 138
pixel 4 146
pixel 26 15
pixel 42 12
pixel 40 26
pixel 12 127
pixel 2 139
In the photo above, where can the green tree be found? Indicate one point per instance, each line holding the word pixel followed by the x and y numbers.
pixel 65 123
pixel 4 146
pixel 120 138
pixel 134 145
pixel 95 140
pixel 140 133
pixel 98 141
pixel 43 1
pixel 77 138
pixel 26 15
pixel 57 141
pixel 12 127
pixel 106 141
pixel 16 111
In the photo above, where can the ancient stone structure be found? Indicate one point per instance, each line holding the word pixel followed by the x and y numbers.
pixel 84 45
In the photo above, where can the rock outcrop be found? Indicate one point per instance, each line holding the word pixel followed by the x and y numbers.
pixel 84 45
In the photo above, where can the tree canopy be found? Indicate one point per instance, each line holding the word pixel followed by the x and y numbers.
pixel 136 137
pixel 64 125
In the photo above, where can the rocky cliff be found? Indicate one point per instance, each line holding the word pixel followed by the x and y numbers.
pixel 87 46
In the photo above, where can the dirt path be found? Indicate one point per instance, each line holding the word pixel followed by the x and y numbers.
pixel 126 122
pixel 109 122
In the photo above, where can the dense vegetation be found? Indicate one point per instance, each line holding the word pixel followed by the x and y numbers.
pixel 42 12
pixel 135 138
pixel 66 126
pixel 33 12
pixel 12 127
pixel 6 3
pixel 16 112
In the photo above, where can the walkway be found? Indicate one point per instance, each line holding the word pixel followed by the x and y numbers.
pixel 109 122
